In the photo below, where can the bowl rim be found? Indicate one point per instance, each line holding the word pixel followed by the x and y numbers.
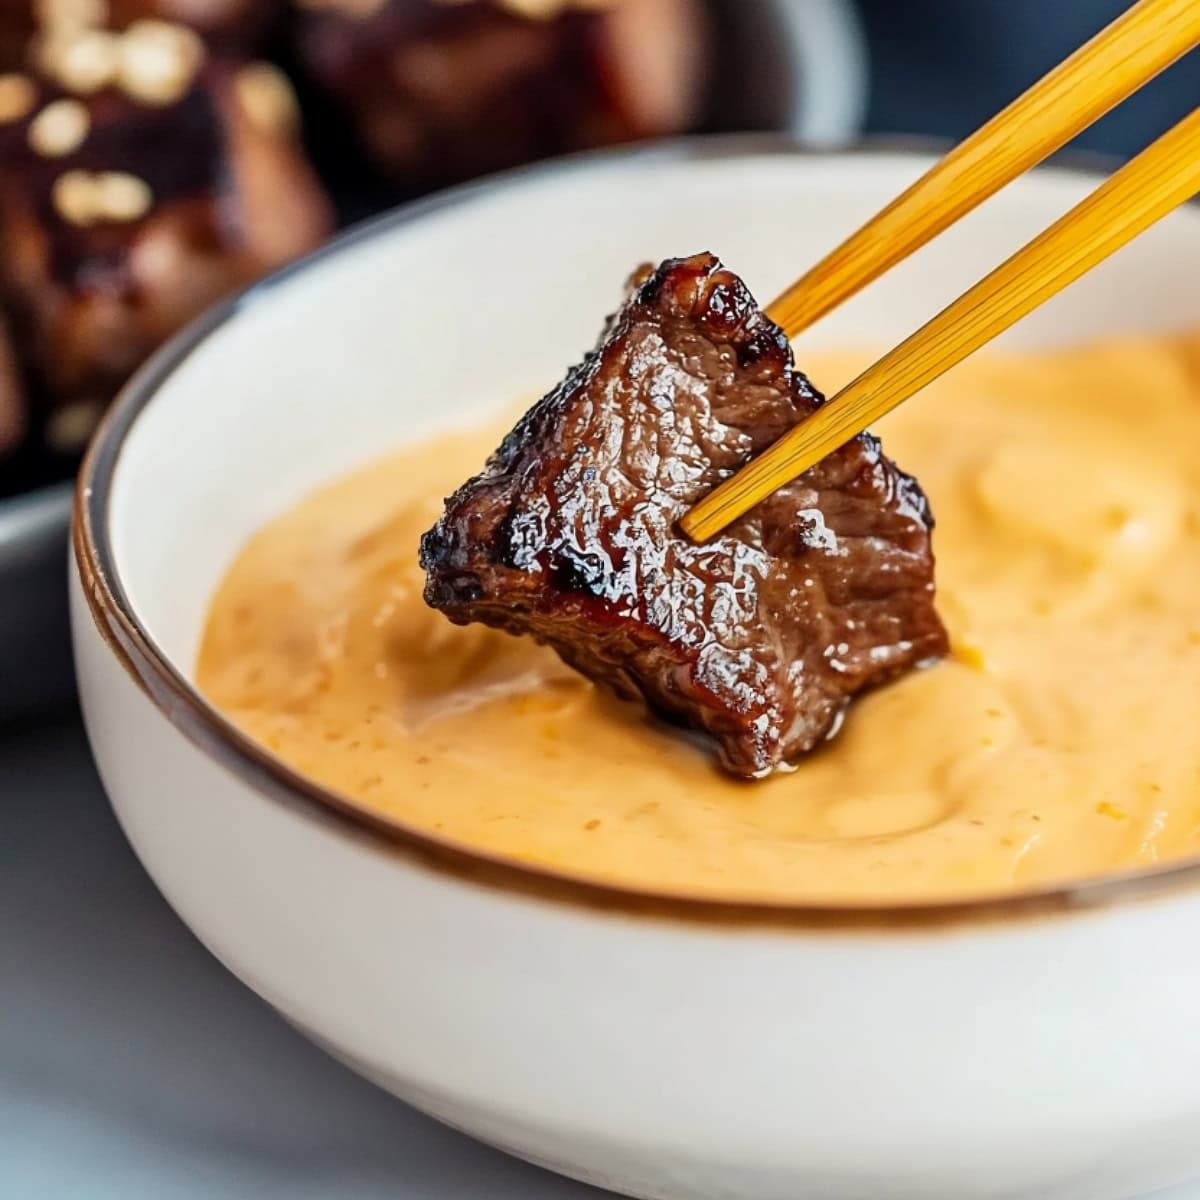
pixel 171 692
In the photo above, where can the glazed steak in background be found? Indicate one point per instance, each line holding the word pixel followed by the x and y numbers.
pixel 760 637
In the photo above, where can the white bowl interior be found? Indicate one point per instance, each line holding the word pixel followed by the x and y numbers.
pixel 487 297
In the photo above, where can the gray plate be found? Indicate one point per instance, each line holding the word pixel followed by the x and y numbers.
pixel 35 649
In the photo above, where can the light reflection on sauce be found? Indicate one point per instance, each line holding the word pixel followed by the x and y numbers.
pixel 1059 742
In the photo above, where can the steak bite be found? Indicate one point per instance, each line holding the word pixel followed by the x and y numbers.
pixel 760 637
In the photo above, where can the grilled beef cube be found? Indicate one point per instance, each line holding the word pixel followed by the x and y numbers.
pixel 12 401
pixel 440 92
pixel 147 180
pixel 760 637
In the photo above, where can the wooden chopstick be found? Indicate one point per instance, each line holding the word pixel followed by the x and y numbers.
pixel 1115 63
pixel 1158 180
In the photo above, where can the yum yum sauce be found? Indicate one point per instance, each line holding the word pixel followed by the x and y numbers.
pixel 1059 740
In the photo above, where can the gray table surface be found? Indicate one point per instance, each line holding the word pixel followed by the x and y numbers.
pixel 133 1065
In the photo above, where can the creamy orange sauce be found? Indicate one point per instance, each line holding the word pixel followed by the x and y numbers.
pixel 1062 740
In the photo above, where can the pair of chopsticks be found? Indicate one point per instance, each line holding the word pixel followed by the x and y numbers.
pixel 1120 59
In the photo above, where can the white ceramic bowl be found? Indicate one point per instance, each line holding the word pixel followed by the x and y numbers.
pixel 1043 1046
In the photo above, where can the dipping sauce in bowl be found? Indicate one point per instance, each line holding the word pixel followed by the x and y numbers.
pixel 1056 743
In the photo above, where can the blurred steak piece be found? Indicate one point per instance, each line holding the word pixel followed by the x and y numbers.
pixel 147 179
pixel 761 637
pixel 444 91
pixel 231 24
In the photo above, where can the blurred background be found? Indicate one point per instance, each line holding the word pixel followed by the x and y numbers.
pixel 157 154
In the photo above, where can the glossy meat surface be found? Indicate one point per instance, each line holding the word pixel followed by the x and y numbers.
pixel 761 637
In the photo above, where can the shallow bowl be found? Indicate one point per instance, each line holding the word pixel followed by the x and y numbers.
pixel 664 1047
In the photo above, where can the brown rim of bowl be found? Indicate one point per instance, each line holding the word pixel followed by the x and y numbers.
pixel 175 697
